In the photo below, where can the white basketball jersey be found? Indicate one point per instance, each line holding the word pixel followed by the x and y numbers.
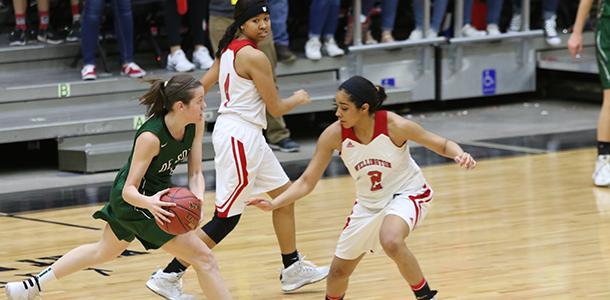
pixel 239 95
pixel 379 168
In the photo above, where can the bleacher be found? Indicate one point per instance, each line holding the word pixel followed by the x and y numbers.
pixel 43 97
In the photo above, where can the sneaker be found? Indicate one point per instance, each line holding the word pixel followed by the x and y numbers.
pixel 469 31
pixel 386 37
pixel 178 62
pixel 132 70
pixel 286 145
pixel 74 32
pixel 416 34
pixel 88 72
pixel 301 273
pixel 312 49
pixel 550 30
pixel 515 23
pixel 493 29
pixel 23 290
pixel 332 49
pixel 17 38
pixel 431 34
pixel 49 37
pixel 167 285
pixel 202 59
pixel 601 176
pixel 284 54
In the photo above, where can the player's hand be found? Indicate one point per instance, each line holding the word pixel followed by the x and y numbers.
pixel 465 161
pixel 156 207
pixel 262 204
pixel 302 97
pixel 575 44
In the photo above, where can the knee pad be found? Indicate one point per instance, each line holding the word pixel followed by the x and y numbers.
pixel 218 228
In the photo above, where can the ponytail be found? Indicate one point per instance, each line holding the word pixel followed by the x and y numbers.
pixel 381 96
pixel 162 95
pixel 226 39
pixel 154 99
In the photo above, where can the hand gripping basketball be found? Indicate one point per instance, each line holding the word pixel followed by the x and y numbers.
pixel 186 211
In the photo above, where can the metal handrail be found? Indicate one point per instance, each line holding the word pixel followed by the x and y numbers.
pixel 491 38
pixel 398 44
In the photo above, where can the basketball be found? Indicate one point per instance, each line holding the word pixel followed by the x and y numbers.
pixel 187 211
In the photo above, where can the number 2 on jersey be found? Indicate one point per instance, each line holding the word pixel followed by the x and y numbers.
pixel 375 180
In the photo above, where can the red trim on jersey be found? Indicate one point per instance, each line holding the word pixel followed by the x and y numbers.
pixel 236 45
pixel 381 127
pixel 226 86
pixel 240 161
pixel 348 217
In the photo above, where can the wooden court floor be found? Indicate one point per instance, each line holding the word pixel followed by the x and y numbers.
pixel 529 227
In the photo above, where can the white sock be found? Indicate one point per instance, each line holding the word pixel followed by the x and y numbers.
pixel 45 277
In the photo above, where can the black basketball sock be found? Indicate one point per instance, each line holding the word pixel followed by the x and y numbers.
pixel 422 291
pixel 290 258
pixel 603 148
pixel 174 267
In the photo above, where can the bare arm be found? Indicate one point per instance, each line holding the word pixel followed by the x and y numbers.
pixel 146 148
pixel 329 141
pixel 196 180
pixel 575 42
pixel 255 65
pixel 210 78
pixel 408 130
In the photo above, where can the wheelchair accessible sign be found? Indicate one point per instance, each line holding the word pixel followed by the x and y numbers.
pixel 488 82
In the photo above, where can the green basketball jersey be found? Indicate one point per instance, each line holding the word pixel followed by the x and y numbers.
pixel 172 152
pixel 603 7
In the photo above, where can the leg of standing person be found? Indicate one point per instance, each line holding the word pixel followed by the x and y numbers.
pixel 418 14
pixel 18 37
pixel 279 16
pixel 515 21
pixel 601 174
pixel 438 14
pixel 218 26
pixel 329 29
pixel 313 46
pixel 176 59
pixel 388 16
pixel 394 230
pixel 43 20
pixel 468 30
pixel 75 27
pixel 92 14
pixel 198 14
pixel 549 10
pixel 123 27
pixel 338 277
pixel 494 9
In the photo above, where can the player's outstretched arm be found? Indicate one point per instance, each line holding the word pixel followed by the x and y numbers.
pixel 329 141
pixel 408 130
pixel 210 78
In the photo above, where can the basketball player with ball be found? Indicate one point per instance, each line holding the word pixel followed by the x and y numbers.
pixel 141 203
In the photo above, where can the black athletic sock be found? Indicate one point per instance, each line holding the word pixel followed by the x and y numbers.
pixel 603 148
pixel 290 258
pixel 174 267
pixel 422 291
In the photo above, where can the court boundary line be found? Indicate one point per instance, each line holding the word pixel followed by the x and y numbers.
pixel 47 221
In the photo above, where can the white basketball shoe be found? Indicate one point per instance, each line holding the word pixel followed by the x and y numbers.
pixel 168 285
pixel 301 273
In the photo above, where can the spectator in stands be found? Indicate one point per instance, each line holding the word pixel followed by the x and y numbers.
pixel 19 36
pixel 494 8
pixel 323 17
pixel 438 13
pixel 549 12
pixel 74 29
pixel 278 10
pixel 176 60
pixel 221 16
pixel 123 26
